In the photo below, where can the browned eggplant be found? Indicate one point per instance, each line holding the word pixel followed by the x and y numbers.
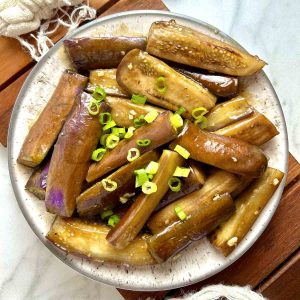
pixel 87 238
pixel 256 129
pixel 43 133
pixel 184 45
pixel 223 152
pixel 124 111
pixel 205 218
pixel 96 199
pixel 137 215
pixel 220 182
pixel 71 157
pixel 142 74
pixel 159 132
pixel 101 52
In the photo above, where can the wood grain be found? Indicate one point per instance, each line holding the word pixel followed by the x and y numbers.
pixel 294 170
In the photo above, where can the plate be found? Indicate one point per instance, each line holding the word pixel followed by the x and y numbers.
pixel 200 260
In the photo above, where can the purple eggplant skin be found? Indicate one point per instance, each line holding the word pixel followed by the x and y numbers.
pixel 102 52
pixel 43 133
pixel 71 158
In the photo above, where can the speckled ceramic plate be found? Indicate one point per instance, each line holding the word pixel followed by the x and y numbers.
pixel 200 260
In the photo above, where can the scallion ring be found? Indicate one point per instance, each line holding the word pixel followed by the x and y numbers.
pixel 105 118
pixel 140 121
pixel 119 131
pixel 138 99
pixel 103 139
pixel 113 220
pixel 161 84
pixel 129 132
pixel 93 107
pixel 143 143
pixel 202 122
pixel 99 94
pixel 133 154
pixel 98 154
pixel 152 167
pixel 174 184
pixel 109 125
pixel 149 188
pixel 109 185
pixel 112 141
pixel 199 112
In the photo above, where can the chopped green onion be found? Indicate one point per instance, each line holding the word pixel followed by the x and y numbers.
pixel 138 99
pixel 180 213
pixel 105 118
pixel 199 112
pixel 150 176
pixel 107 213
pixel 140 177
pixel 174 184
pixel 123 199
pixel 182 151
pixel 152 167
pixel 109 125
pixel 98 154
pixel 129 132
pixel 103 139
pixel 151 116
pixel 112 141
pixel 93 107
pixel 181 172
pixel 133 154
pixel 202 122
pixel 180 110
pixel 113 220
pixel 119 131
pixel 161 84
pixel 143 143
pixel 176 120
pixel 99 94
pixel 149 187
pixel 109 185
pixel 140 121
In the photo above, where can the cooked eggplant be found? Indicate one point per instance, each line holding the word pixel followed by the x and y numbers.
pixel 137 215
pixel 43 133
pixel 71 157
pixel 159 132
pixel 220 182
pixel 255 129
pixel 124 111
pixel 86 238
pixel 248 207
pixel 228 112
pixel 96 199
pixel 184 45
pixel 106 79
pixel 205 218
pixel 142 74
pixel 101 52
pixel 223 152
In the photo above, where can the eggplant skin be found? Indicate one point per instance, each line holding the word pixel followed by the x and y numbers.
pixel 71 157
pixel 171 41
pixel 43 133
pixel 230 154
pixel 102 52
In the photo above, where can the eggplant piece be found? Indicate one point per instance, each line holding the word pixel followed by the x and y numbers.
pixel 139 212
pixel 84 238
pixel 219 85
pixel 223 152
pixel 106 79
pixel 205 218
pixel 43 133
pixel 248 207
pixel 256 129
pixel 124 111
pixel 181 44
pixel 71 157
pixel 101 52
pixel 160 131
pixel 227 113
pixel 219 183
pixel 139 72
pixel 96 199
pixel 192 183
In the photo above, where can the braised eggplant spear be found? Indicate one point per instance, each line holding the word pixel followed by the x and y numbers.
pixel 101 52
pixel 184 45
pixel 71 156
pixel 43 133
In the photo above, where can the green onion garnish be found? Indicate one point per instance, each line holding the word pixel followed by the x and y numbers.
pixel 123 199
pixel 112 141
pixel 98 154
pixel 151 116
pixel 199 112
pixel 180 110
pixel 180 213
pixel 161 84
pixel 109 125
pixel 140 177
pixel 107 213
pixel 149 187
pixel 174 184
pixel 105 118
pixel 138 99
pixel 140 121
pixel 202 122
pixel 150 176
pixel 152 167
pixel 93 107
pixel 129 132
pixel 176 120
pixel 133 154
pixel 119 131
pixel 181 172
pixel 182 151
pixel 113 220
pixel 103 139
pixel 99 94
pixel 109 185
pixel 143 143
